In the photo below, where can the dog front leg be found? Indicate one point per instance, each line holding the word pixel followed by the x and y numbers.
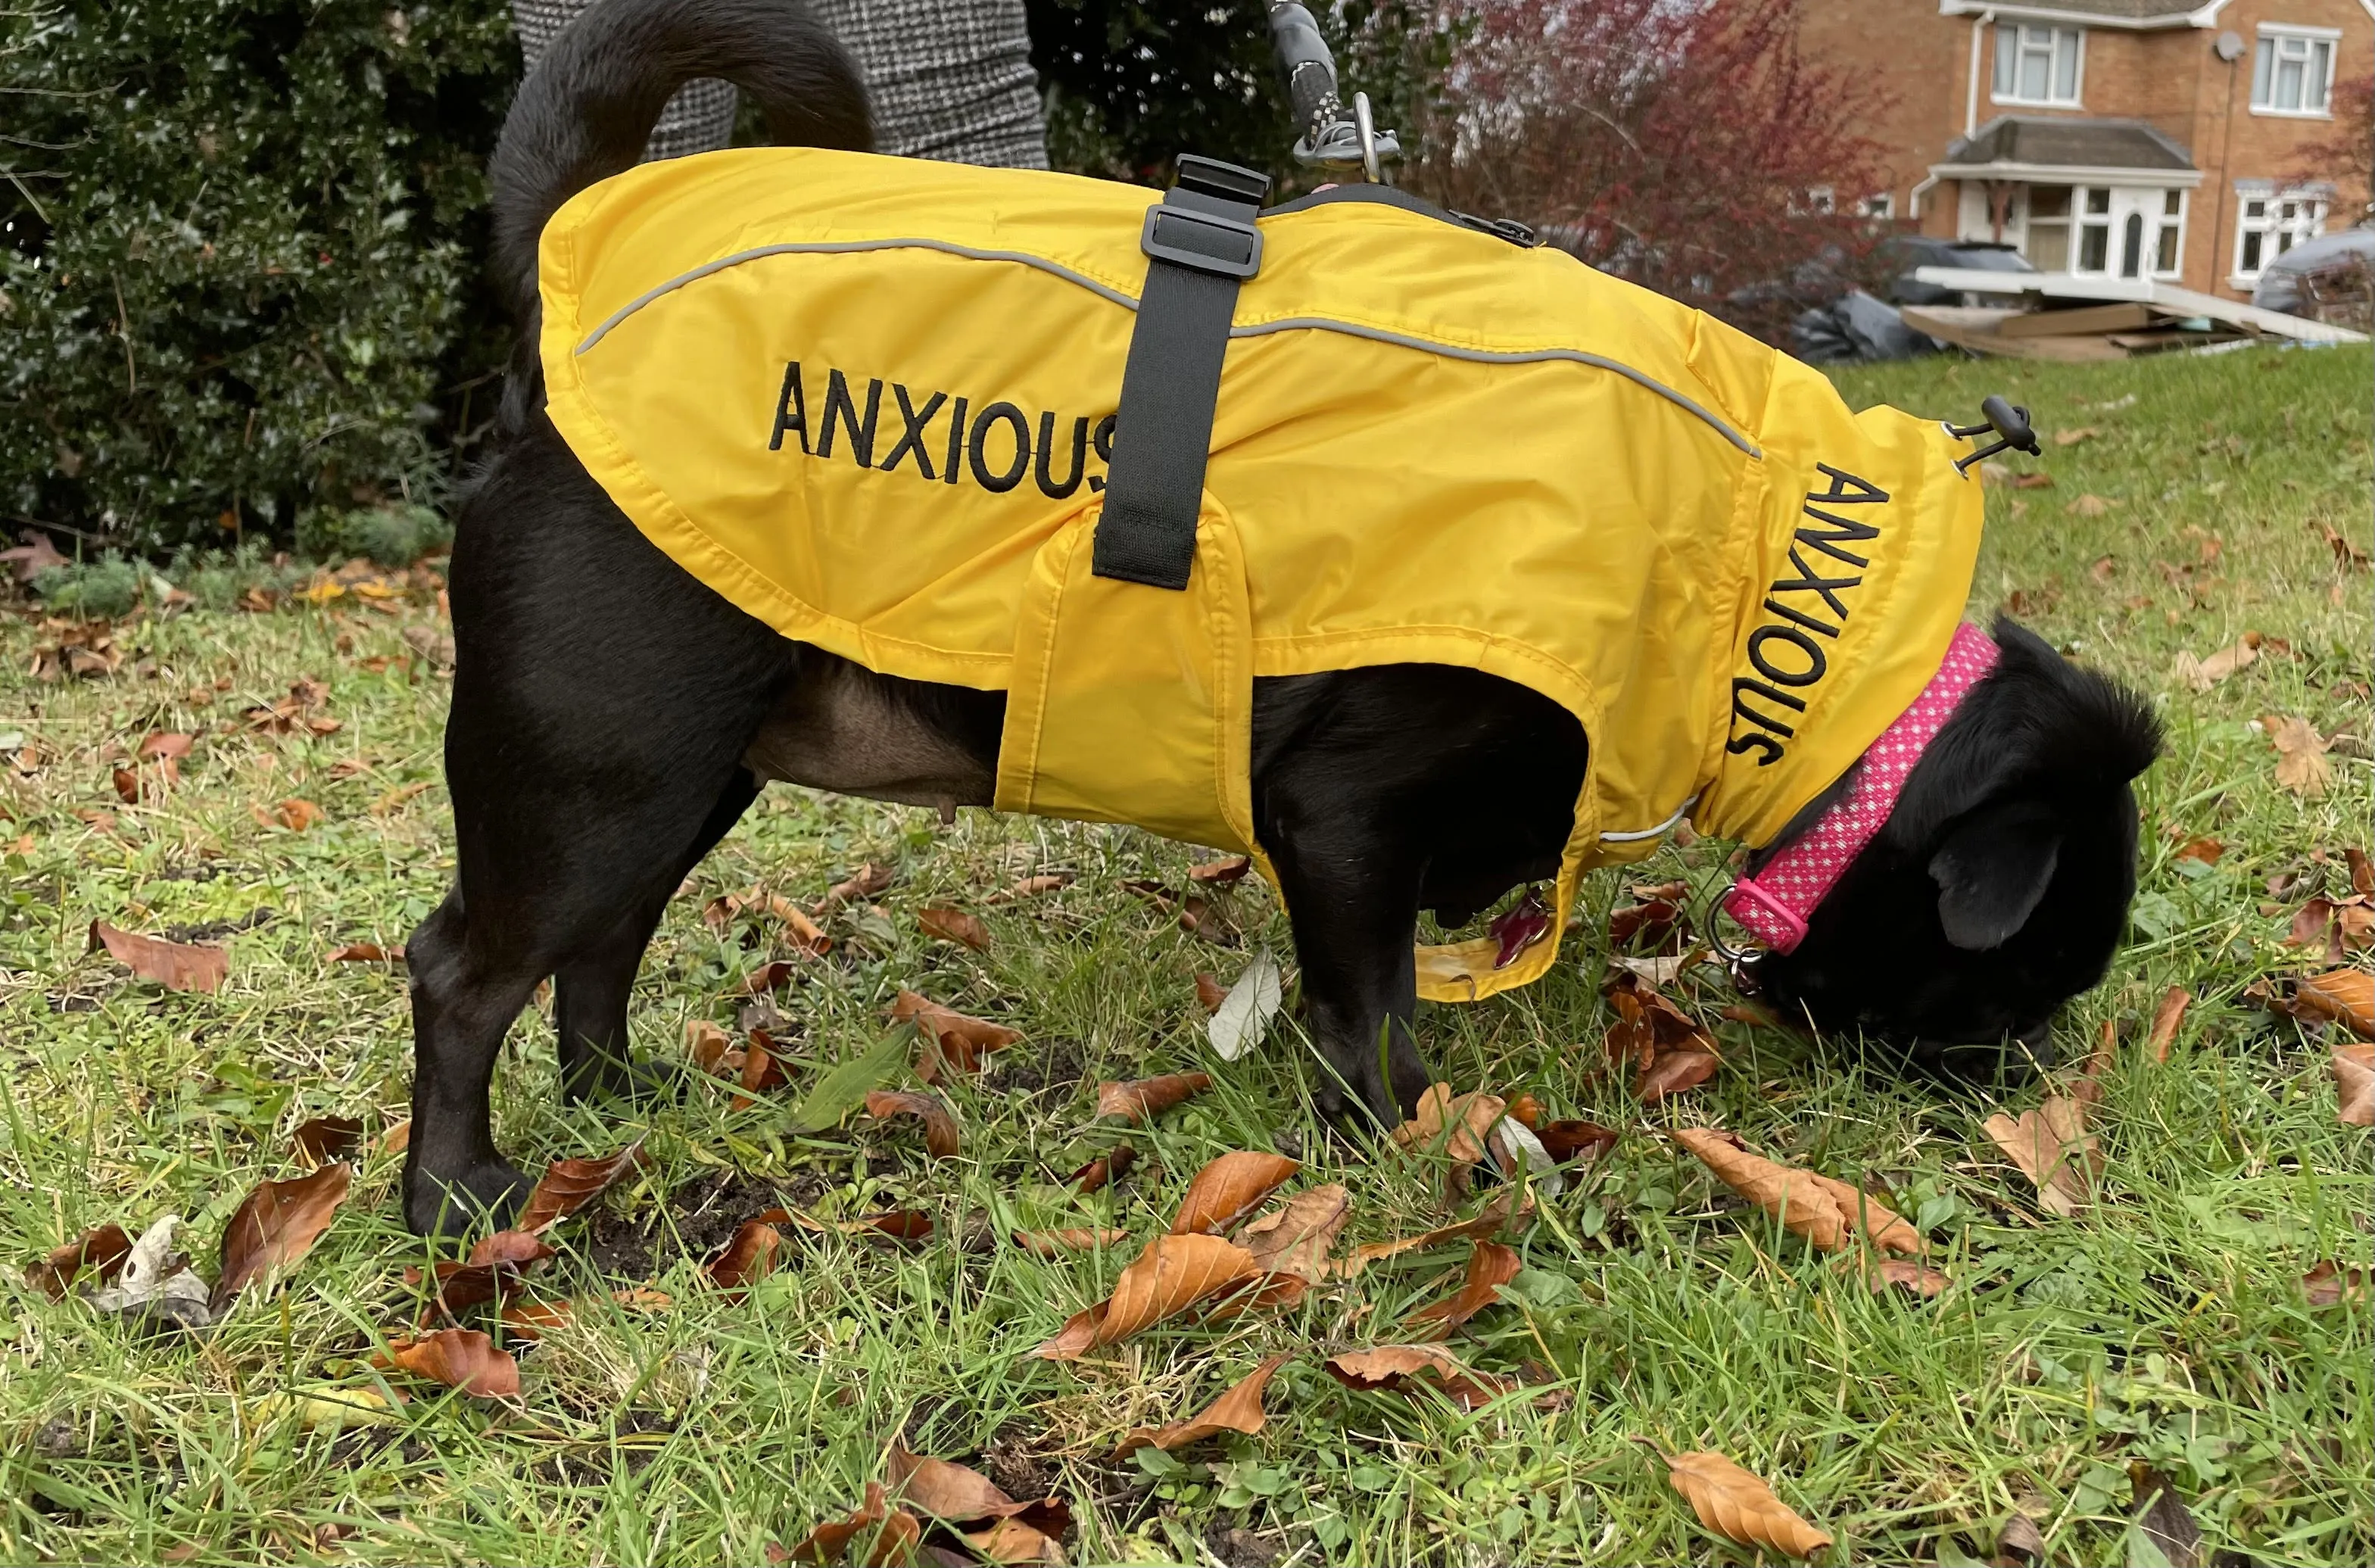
pixel 1355 906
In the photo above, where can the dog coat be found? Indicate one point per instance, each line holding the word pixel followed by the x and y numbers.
pixel 871 402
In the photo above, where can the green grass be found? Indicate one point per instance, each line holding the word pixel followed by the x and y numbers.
pixel 2166 1328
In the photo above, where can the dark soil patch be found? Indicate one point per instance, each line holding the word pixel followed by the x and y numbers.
pixel 216 930
pixel 1015 1470
pixel 1241 1548
pixel 698 1218
pixel 1037 1068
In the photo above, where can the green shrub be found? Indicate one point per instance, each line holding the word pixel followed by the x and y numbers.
pixel 391 535
pixel 241 275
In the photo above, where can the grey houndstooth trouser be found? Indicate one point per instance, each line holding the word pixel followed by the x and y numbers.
pixel 950 79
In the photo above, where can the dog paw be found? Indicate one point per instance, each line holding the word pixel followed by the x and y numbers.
pixel 480 1197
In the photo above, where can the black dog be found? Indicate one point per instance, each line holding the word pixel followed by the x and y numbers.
pixel 612 717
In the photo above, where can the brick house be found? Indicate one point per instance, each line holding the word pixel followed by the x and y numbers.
pixel 2137 138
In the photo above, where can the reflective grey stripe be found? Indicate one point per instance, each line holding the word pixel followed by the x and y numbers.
pixel 845 247
pixel 1636 836
pixel 1513 357
pixel 1293 323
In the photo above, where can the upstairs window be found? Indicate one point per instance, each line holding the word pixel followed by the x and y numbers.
pixel 2293 71
pixel 2035 64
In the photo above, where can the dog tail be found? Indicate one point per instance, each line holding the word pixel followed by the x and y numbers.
pixel 586 112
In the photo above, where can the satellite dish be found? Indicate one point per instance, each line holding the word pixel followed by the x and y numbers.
pixel 2229 47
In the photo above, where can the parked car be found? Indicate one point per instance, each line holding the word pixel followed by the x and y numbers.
pixel 1903 252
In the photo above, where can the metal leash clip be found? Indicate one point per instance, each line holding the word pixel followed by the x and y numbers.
pixel 1738 962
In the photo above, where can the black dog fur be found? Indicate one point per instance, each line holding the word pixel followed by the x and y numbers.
pixel 612 717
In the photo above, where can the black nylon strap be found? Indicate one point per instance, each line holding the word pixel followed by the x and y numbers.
pixel 1201 243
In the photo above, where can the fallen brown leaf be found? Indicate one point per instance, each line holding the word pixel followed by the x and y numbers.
pixel 1044 882
pixel 2167 1019
pixel 325 1138
pixel 496 1267
pixel 2072 437
pixel 1200 917
pixel 1570 1140
pixel 2301 766
pixel 1011 1540
pixel 760 1074
pixel 886 1535
pixel 397 1139
pixel 712 1049
pixel 2328 1284
pixel 276 1226
pixel 2345 996
pixel 2353 1084
pixel 748 1258
pixel 1239 1410
pixel 768 978
pixel 1210 992
pixel 100 1253
pixel 1903 1274
pixel 1826 1212
pixel 297 816
pixel 859 886
pixel 569 1184
pixel 458 1357
pixel 1454 1127
pixel 528 1320
pixel 2089 505
pixel 894 1224
pixel 1490 1267
pixel 959 1040
pixel 177 966
pixel 2362 871
pixel 1061 1242
pixel 1173 1274
pixel 368 952
pixel 1228 868
pixel 1142 1097
pixel 1495 1216
pixel 958 1495
pixel 1731 1501
pixel 2206 850
pixel 1229 1188
pixel 2032 481
pixel 1104 1170
pixel 1400 1367
pixel 954 926
pixel 1296 1236
pixel 2088 1089
pixel 1672 1072
pixel 939 1126
pixel 2337 925
pixel 2053 1150
pixel 2104 568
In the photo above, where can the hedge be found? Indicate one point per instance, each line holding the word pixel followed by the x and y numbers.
pixel 242 283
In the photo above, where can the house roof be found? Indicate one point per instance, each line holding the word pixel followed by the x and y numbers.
pixel 2037 142
pixel 2139 13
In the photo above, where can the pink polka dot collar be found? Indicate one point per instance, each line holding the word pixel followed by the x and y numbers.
pixel 1774 903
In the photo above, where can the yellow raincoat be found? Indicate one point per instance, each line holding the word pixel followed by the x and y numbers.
pixel 869 400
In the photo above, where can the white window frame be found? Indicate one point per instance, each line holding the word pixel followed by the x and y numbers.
pixel 2275 39
pixel 2025 37
pixel 2276 231
pixel 2118 202
pixel 1881 206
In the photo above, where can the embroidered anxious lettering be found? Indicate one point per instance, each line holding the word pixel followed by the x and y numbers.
pixel 939 436
pixel 1787 653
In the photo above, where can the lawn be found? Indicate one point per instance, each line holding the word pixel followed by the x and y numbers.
pixel 2162 1332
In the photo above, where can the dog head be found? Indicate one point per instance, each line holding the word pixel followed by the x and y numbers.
pixel 1998 888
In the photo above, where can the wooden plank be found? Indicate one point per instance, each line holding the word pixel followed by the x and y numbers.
pixel 2126 316
pixel 2062 350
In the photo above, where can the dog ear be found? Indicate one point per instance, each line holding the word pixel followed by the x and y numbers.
pixel 1993 869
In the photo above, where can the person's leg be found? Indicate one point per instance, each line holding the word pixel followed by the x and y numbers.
pixel 700 118
pixel 950 79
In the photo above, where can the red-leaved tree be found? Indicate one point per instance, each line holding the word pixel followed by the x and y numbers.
pixel 1683 144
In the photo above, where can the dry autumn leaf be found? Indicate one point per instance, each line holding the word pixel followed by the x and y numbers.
pixel 2301 766
pixel 177 966
pixel 1221 872
pixel 2167 1019
pixel 885 1536
pixel 1296 1237
pixel 748 1258
pixel 325 1138
pixel 1827 1212
pixel 1490 1267
pixel 496 1267
pixel 458 1357
pixel 2353 1084
pixel 1731 1501
pixel 960 1040
pixel 2345 996
pixel 1104 1171
pixel 297 816
pixel 1142 1097
pixel 712 1049
pixel 1576 1139
pixel 1500 1212
pixel 1229 1188
pixel 276 1226
pixel 859 886
pixel 940 1124
pixel 2205 850
pixel 760 1074
pixel 958 1495
pixel 1210 992
pixel 99 1252
pixel 2053 1150
pixel 368 952
pixel 1239 1410
pixel 2331 1284
pixel 1903 1274
pixel 954 926
pixel 1452 1128
pixel 569 1184
pixel 1400 1367
pixel 2202 674
pixel 528 1320
pixel 2089 505
pixel 1173 1274
pixel 1061 1242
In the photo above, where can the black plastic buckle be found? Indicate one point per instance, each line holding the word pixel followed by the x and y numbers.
pixel 2004 420
pixel 1229 181
pixel 1202 242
